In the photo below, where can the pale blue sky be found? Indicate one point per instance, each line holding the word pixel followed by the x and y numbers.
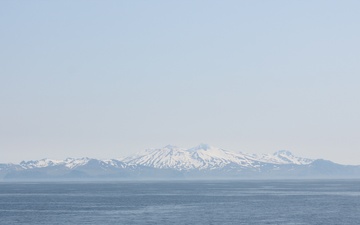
pixel 106 79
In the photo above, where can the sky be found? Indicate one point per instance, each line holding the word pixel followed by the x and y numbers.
pixel 107 79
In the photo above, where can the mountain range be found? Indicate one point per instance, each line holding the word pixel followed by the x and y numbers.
pixel 171 162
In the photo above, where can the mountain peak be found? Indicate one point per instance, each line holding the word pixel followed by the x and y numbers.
pixel 201 146
pixel 286 156
pixel 170 146
pixel 284 152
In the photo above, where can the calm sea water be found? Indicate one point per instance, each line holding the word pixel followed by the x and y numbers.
pixel 203 202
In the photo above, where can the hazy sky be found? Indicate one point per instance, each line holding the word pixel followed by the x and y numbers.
pixel 106 79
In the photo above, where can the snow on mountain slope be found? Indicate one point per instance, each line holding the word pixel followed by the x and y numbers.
pixel 70 163
pixel 116 163
pixel 164 158
pixel 199 157
pixel 284 157
pixel 212 158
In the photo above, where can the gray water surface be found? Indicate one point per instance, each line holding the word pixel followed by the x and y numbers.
pixel 183 202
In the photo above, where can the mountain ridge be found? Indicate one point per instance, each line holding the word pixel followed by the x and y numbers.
pixel 171 161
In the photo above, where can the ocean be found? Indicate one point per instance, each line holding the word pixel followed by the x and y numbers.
pixel 181 202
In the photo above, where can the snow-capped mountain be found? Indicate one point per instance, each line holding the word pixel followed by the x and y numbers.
pixel 205 156
pixel 283 157
pixel 213 158
pixel 172 162
pixel 71 163
pixel 164 158
pixel 68 163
